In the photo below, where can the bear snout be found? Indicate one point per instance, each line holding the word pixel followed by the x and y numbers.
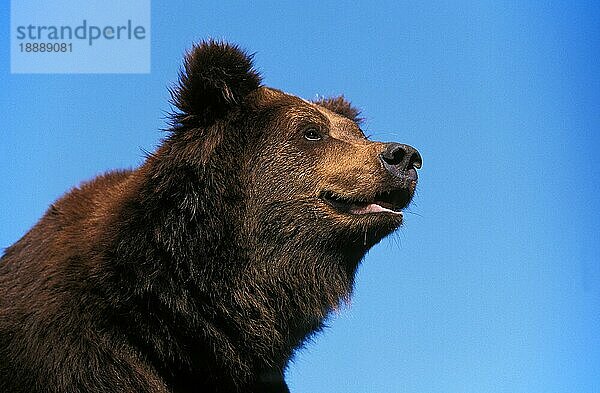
pixel 401 161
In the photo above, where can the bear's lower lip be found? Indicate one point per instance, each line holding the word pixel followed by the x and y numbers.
pixel 361 207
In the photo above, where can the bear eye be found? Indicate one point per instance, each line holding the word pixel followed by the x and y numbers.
pixel 311 134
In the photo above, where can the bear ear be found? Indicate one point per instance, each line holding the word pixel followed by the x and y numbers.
pixel 340 106
pixel 216 76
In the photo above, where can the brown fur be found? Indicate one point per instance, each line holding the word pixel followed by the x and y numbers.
pixel 204 269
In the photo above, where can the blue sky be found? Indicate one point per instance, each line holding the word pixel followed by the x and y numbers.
pixel 493 284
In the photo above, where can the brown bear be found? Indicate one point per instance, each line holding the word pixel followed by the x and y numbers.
pixel 204 269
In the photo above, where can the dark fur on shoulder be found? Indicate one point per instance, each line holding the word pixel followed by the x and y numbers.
pixel 204 269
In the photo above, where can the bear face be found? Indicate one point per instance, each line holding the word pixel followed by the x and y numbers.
pixel 208 266
pixel 334 176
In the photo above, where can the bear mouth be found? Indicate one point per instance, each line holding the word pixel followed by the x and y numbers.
pixel 388 202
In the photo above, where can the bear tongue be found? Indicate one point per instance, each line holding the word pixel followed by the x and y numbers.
pixel 369 208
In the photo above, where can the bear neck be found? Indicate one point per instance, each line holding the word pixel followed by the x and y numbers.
pixel 245 296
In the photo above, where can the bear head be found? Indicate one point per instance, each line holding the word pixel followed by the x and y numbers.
pixel 298 171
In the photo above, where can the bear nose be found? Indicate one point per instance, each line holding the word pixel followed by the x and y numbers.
pixel 398 157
